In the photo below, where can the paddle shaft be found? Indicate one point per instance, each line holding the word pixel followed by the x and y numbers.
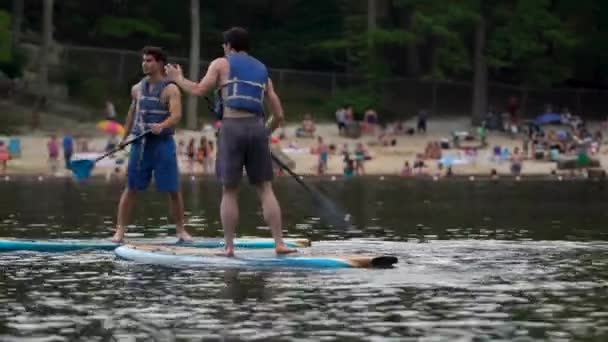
pixel 290 171
pixel 121 146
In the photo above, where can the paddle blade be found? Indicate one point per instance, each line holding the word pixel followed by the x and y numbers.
pixel 82 168
pixel 329 211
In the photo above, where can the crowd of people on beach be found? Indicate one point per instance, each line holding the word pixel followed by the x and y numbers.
pixel 536 140
pixel 567 136
pixel 202 154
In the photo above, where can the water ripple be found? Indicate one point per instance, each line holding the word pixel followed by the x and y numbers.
pixel 444 290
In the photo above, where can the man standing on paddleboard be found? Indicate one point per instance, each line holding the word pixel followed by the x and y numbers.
pixel 243 82
pixel 155 107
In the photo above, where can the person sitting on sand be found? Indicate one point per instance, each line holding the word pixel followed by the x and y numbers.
pixel 4 157
pixel 386 138
pixel 407 169
pixel 449 172
pixel 419 164
pixel 433 150
pixel 308 128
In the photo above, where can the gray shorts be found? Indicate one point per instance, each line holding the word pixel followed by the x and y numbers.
pixel 243 142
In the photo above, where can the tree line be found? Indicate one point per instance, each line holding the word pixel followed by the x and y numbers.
pixel 523 42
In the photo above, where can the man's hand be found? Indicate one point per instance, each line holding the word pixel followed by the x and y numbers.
pixel 174 72
pixel 155 128
pixel 274 122
pixel 122 143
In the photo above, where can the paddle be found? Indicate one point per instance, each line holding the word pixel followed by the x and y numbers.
pixel 328 210
pixel 82 167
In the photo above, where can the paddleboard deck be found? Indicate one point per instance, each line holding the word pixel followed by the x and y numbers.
pixel 187 256
pixel 15 244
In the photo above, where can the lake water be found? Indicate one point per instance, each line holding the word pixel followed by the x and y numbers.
pixel 513 261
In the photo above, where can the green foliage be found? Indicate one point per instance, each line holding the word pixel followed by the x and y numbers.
pixel 5 37
pixel 360 98
pixel 117 27
pixel 532 41
pixel 445 24
pixel 14 67
pixel 90 90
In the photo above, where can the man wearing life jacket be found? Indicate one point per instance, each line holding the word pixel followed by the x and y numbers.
pixel 156 107
pixel 243 83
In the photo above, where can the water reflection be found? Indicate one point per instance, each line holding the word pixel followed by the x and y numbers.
pixel 474 265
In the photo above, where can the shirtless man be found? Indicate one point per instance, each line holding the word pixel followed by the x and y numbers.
pixel 243 139
pixel 157 107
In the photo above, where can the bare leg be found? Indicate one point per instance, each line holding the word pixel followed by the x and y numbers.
pixel 272 216
pixel 229 213
pixel 176 203
pixel 127 199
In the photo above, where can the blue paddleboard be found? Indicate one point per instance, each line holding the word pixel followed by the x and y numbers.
pixel 187 256
pixel 11 244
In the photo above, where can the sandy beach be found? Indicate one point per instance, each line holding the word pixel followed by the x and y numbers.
pixel 385 160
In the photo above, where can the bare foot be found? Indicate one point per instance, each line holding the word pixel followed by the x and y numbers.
pixel 119 237
pixel 283 249
pixel 183 236
pixel 226 253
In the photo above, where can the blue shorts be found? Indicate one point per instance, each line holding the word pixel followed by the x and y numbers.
pixel 159 157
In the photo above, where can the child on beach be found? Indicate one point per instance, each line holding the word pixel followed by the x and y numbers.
pixel 516 162
pixel 349 165
pixel 53 150
pixel 360 157
pixel 419 164
pixel 407 170
pixel 4 157
pixel 323 152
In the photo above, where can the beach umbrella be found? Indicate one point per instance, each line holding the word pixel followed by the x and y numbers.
pixel 548 118
pixel 111 127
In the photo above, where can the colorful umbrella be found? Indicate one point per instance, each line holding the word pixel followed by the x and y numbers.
pixel 111 127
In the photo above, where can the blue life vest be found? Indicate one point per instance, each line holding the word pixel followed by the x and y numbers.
pixel 150 109
pixel 246 85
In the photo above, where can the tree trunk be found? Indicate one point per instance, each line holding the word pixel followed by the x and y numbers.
pixel 17 21
pixel 434 44
pixel 480 77
pixel 412 53
pixel 45 51
pixel 371 22
pixel 195 61
pixel 371 53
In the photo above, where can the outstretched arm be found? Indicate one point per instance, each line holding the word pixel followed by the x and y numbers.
pixel 209 82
